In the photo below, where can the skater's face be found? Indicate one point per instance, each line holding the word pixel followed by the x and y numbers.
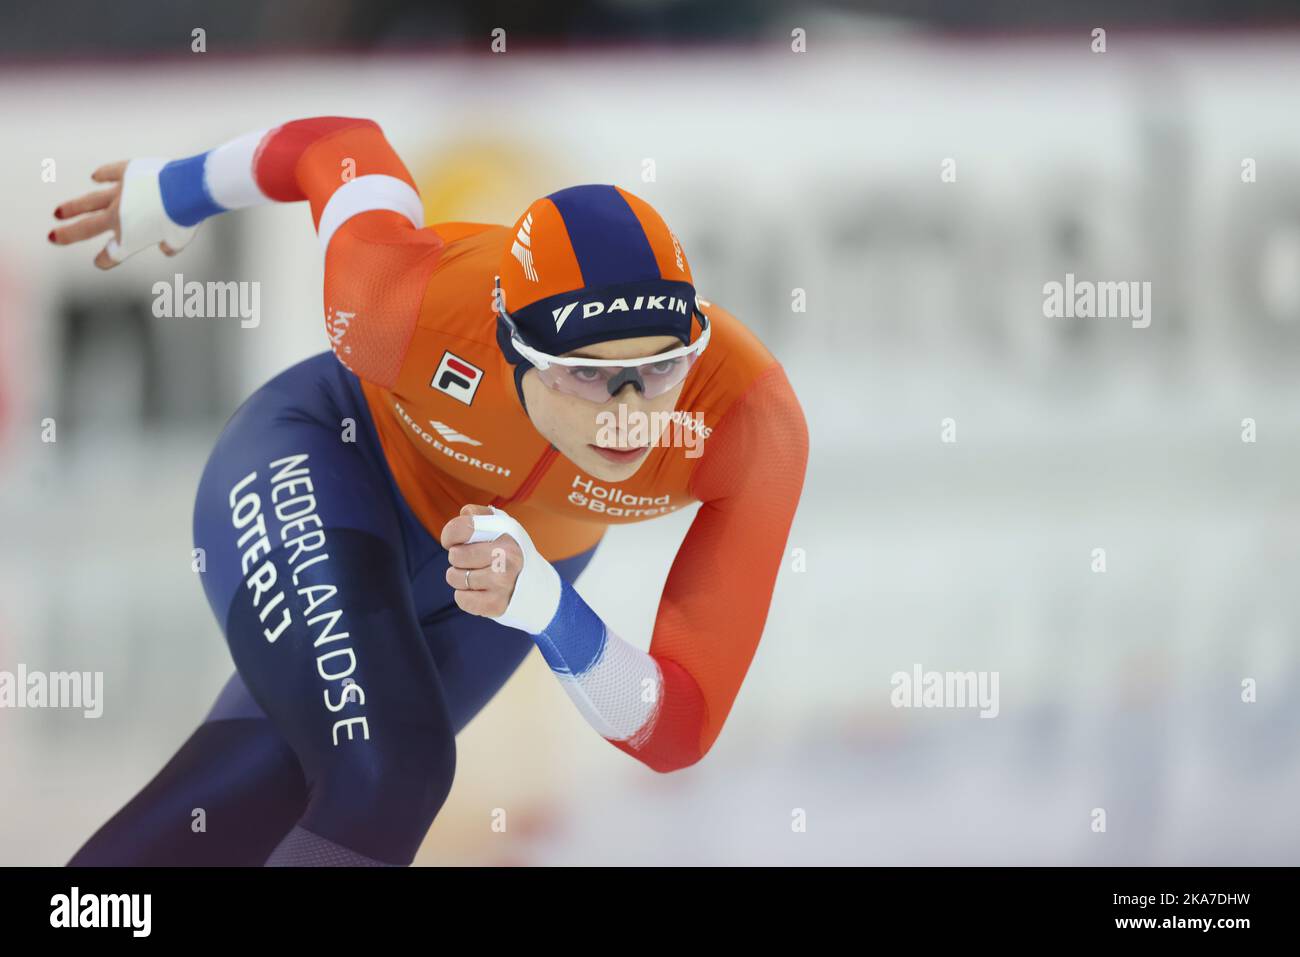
pixel 603 439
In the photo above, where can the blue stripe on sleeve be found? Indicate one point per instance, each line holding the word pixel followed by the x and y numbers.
pixel 575 638
pixel 185 195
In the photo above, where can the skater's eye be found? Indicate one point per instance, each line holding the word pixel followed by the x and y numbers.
pixel 663 367
pixel 587 373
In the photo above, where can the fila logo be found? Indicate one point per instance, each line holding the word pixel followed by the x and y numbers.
pixel 458 378
pixel 451 435
pixel 522 249
pixel 596 308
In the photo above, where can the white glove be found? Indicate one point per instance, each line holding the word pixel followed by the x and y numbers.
pixel 536 596
pixel 140 211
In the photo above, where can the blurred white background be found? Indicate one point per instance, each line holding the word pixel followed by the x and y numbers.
pixel 818 172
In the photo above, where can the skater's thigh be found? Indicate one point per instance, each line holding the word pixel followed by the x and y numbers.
pixel 306 573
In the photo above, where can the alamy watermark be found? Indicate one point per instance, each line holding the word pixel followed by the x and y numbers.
pixel 74 909
pixel 1085 299
pixel 82 690
pixel 179 299
pixel 637 429
pixel 946 689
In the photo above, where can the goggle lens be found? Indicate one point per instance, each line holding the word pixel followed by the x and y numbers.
pixel 593 383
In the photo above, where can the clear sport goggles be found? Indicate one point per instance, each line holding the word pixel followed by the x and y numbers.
pixel 598 380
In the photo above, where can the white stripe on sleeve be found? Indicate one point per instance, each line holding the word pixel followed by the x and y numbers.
pixel 229 176
pixel 375 191
pixel 619 694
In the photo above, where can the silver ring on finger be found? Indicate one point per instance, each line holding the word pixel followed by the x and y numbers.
pixel 467 578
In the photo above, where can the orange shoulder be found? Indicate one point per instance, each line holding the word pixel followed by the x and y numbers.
pixel 450 232
pixel 734 359
pixel 458 300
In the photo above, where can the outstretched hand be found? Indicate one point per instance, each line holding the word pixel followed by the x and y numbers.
pixel 98 214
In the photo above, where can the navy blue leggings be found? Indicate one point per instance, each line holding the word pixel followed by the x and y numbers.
pixel 355 667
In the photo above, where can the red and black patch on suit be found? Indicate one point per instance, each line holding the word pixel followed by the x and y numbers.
pixel 457 378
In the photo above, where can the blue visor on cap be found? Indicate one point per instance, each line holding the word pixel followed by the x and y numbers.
pixel 572 320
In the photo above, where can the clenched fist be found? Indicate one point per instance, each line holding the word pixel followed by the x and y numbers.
pixel 497 571
pixel 484 573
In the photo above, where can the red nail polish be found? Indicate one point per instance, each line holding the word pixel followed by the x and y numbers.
pixel 51 235
pixel 58 213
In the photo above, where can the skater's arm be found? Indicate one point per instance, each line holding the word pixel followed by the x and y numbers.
pixel 667 707
pixel 363 202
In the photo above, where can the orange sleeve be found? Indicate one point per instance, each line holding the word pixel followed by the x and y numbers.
pixel 716 599
pixel 377 262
